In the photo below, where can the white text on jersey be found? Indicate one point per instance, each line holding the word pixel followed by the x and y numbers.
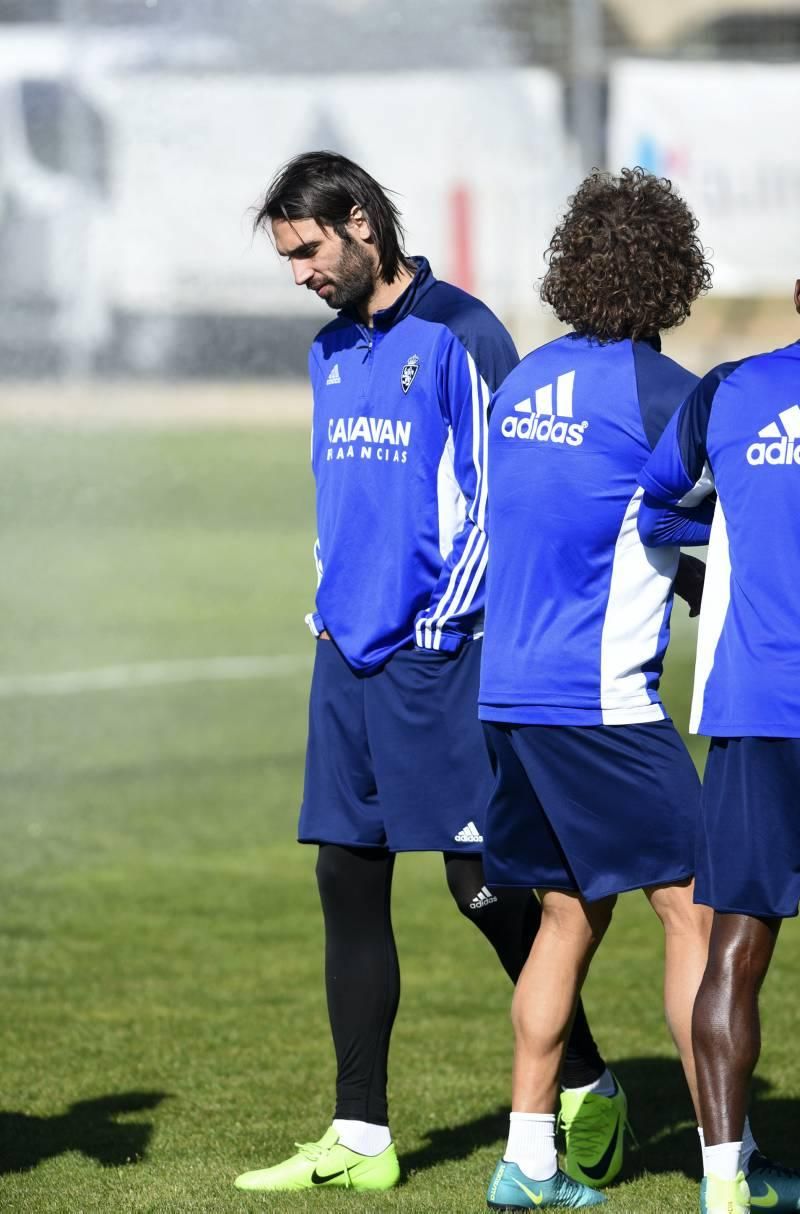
pixel 784 447
pixel 539 422
pixel 356 437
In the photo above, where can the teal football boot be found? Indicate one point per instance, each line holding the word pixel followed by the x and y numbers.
pixel 511 1189
pixel 772 1186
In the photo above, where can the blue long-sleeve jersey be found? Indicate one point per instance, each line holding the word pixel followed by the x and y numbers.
pixel 399 459
pixel 739 432
pixel 577 613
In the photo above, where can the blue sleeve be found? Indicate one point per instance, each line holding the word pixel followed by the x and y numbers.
pixel 492 349
pixel 678 472
pixel 668 526
pixel 662 385
pixel 456 604
pixel 476 327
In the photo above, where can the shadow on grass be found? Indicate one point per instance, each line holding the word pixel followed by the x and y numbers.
pixel 88 1126
pixel 662 1117
pixel 458 1141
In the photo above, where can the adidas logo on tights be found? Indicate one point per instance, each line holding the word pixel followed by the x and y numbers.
pixel 469 834
pixel 484 897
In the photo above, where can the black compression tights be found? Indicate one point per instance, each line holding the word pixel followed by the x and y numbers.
pixel 362 975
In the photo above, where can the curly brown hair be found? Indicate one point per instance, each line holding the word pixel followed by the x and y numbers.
pixel 626 260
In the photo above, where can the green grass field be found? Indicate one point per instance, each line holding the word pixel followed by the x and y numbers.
pixel 163 1022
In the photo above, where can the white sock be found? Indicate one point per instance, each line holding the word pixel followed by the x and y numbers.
pixel 532 1144
pixel 749 1146
pixel 604 1086
pixel 362 1136
pixel 722 1161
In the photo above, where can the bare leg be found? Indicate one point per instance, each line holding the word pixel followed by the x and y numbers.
pixel 547 993
pixel 509 921
pixel 726 1027
pixel 686 931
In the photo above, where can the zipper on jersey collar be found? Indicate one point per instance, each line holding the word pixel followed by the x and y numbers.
pixel 367 340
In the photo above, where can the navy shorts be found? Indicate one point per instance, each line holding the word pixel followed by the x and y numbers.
pixel 598 809
pixel 748 842
pixel 396 759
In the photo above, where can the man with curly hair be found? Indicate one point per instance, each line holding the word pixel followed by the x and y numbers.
pixel 595 793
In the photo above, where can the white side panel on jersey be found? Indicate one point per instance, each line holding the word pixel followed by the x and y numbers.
pixel 700 489
pixel 716 600
pixel 451 503
pixel 641 579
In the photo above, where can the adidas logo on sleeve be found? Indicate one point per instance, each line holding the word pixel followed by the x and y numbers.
pixel 538 421
pixel 469 834
pixel 779 443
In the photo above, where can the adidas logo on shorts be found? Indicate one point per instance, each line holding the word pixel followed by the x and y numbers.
pixel 785 445
pixel 484 897
pixel 469 834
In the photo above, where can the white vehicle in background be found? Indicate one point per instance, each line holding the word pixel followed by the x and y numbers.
pixel 53 201
pixel 479 187
pixel 129 165
pixel 57 159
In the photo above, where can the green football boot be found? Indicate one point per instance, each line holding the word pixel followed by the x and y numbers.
pixel 511 1189
pixel 724 1196
pixel 594 1135
pixel 326 1165
pixel 772 1186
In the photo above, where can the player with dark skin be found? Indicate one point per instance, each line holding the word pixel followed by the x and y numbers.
pixel 746 702
pixel 726 1026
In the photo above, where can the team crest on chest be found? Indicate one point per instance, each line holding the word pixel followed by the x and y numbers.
pixel 409 371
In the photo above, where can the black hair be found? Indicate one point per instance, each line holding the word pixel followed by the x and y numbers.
pixel 326 186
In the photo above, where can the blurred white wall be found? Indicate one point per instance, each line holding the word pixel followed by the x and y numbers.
pixel 478 162
pixel 148 265
pixel 726 133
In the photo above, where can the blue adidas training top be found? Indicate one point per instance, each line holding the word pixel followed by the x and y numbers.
pixel 577 613
pixel 739 432
pixel 399 459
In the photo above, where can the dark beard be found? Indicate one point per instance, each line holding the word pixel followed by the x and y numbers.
pixel 353 278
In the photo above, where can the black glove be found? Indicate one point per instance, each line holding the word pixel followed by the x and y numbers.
pixel 689 581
